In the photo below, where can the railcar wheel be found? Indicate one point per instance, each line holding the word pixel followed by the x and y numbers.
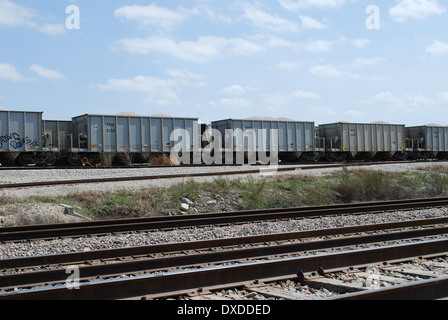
pixel 26 159
pixel 74 159
pixel 340 157
pixel 50 159
pixel 330 157
pixel 405 156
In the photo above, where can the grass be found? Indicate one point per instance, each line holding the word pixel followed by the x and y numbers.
pixel 253 195
pixel 343 186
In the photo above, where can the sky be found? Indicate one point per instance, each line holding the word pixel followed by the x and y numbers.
pixel 308 60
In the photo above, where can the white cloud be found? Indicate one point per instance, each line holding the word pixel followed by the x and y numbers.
pixel 234 90
pixel 14 15
pixel 305 95
pixel 405 102
pixel 137 84
pixel 415 9
pixel 289 65
pixel 419 100
pixel 232 103
pixel 277 100
pixel 310 23
pixel 160 91
pixel 361 62
pixel 269 21
pixel 9 72
pixel 51 29
pixel 188 78
pixel 164 18
pixel 326 71
pixel 46 73
pixel 319 46
pixel 276 42
pixel 330 71
pixel 360 43
pixel 205 49
pixel 443 97
pixel 437 47
pixel 237 90
pixel 297 5
pixel 209 12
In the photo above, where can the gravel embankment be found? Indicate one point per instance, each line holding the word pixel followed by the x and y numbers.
pixel 10 250
pixel 23 176
pixel 55 213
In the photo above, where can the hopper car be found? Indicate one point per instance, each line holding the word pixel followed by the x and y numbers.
pixel 28 139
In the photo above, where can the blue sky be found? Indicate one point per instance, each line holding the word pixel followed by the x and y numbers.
pixel 302 59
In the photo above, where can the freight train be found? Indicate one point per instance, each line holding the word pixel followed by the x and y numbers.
pixel 27 139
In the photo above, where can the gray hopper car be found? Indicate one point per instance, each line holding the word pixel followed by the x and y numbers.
pixel 21 138
pixel 129 137
pixel 361 140
pixel 430 141
pixel 295 139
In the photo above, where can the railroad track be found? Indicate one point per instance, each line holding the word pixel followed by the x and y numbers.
pixel 51 231
pixel 160 271
pixel 87 167
pixel 260 170
pixel 124 282
pixel 145 165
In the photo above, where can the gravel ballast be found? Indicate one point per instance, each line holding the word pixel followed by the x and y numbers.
pixel 11 250
pixel 25 176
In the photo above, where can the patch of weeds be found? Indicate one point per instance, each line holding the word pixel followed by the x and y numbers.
pixel 318 194
pixel 253 196
pixel 190 189
pixel 348 187
pixel 362 185
pixel 6 199
pixel 437 183
pixel 374 185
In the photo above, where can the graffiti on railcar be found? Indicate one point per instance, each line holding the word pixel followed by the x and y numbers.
pixel 16 142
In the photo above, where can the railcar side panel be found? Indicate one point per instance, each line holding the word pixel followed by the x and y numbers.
pixel 20 131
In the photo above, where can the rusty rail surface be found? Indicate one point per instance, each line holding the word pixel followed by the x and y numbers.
pixel 196 259
pixel 187 175
pixel 142 224
pixel 76 257
pixel 431 289
pixel 180 282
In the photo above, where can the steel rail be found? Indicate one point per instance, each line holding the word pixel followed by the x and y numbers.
pixel 195 259
pixel 142 224
pixel 322 164
pixel 133 166
pixel 174 176
pixel 79 257
pixel 431 289
pixel 411 202
pixel 174 283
